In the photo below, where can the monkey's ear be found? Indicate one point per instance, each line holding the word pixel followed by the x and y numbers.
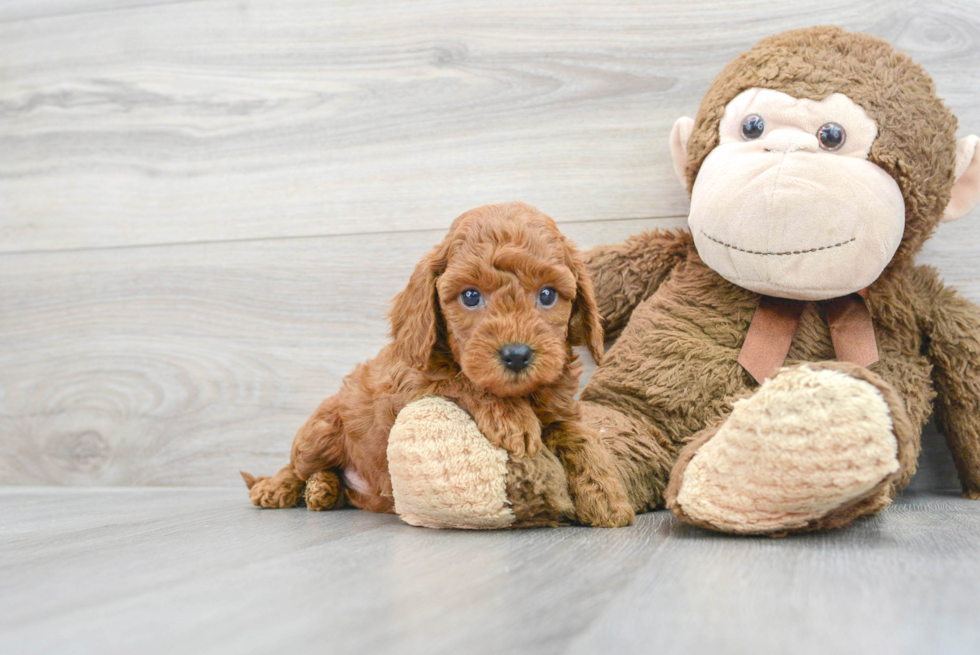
pixel 966 189
pixel 679 135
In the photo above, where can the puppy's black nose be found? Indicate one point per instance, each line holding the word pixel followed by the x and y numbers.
pixel 516 356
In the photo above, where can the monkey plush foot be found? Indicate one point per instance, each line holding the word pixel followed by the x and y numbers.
pixel 445 474
pixel 815 447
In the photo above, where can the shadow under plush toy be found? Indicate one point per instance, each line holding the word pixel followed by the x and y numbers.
pixel 774 366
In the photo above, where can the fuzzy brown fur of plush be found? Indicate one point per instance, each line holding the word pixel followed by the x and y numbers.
pixel 674 370
pixel 672 375
pixel 442 348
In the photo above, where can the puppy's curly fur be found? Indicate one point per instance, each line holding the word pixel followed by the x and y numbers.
pixel 441 347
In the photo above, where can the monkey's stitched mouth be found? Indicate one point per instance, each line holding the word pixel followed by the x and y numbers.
pixel 777 254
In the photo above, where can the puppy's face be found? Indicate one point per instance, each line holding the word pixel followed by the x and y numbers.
pixel 506 297
pixel 506 294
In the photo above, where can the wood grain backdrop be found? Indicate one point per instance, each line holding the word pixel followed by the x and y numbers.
pixel 205 204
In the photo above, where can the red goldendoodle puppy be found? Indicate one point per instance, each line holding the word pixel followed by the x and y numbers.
pixel 488 320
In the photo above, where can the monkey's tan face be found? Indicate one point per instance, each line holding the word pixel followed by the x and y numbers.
pixel 788 204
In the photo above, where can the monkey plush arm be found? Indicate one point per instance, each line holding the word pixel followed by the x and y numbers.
pixel 628 273
pixel 953 332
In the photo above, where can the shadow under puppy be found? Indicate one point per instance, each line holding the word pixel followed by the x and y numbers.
pixel 487 321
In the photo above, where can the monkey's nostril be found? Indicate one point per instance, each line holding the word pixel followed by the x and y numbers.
pixel 516 356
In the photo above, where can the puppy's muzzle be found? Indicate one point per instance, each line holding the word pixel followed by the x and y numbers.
pixel 516 356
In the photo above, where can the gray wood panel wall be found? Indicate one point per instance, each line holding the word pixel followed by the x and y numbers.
pixel 205 204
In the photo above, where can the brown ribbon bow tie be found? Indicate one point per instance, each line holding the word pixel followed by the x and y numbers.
pixel 775 321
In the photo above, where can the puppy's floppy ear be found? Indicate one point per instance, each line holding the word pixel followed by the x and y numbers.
pixel 414 313
pixel 585 325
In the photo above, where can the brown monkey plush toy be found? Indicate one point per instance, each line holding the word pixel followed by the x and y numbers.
pixel 774 366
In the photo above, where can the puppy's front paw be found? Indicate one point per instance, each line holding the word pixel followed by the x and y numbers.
pixel 518 434
pixel 604 505
pixel 604 512
pixel 523 440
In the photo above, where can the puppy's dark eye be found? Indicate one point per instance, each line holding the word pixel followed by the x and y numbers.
pixel 547 297
pixel 831 136
pixel 471 298
pixel 752 127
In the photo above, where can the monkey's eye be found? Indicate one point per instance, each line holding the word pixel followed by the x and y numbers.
pixel 547 297
pixel 831 136
pixel 471 298
pixel 752 127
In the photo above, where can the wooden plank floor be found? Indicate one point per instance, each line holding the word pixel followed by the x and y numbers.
pixel 202 571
